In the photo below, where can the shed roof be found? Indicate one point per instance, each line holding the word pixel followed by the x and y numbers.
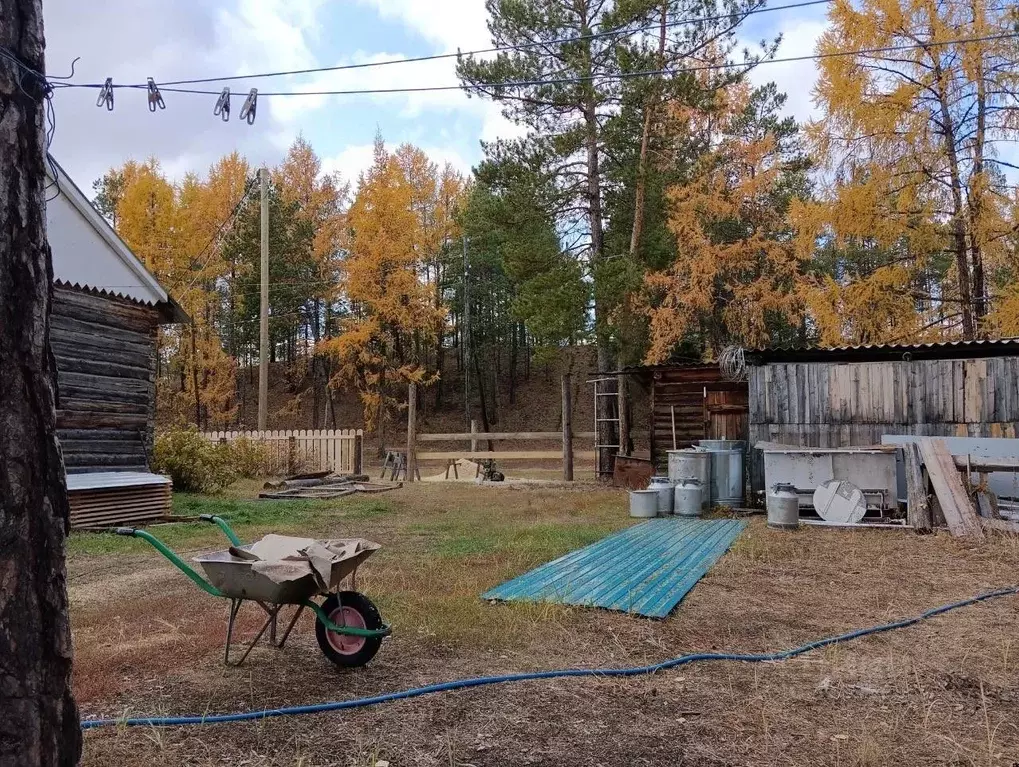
pixel 960 349
pixel 88 253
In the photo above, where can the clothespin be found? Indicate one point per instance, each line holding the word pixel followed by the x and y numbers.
pixel 250 106
pixel 223 105
pixel 106 95
pixel 155 97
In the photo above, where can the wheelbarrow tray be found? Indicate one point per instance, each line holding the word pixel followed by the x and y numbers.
pixel 235 578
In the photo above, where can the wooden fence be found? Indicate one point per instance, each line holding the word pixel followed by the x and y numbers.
pixel 565 437
pixel 294 451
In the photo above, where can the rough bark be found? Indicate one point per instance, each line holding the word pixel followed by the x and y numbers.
pixel 645 140
pixel 38 717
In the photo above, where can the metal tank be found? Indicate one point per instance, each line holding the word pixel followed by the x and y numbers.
pixel 689 495
pixel 644 503
pixel 664 486
pixel 783 506
pixel 692 464
pixel 726 477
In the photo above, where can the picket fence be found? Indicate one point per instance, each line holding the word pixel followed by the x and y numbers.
pixel 301 450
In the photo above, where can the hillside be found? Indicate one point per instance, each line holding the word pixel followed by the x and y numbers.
pixel 297 402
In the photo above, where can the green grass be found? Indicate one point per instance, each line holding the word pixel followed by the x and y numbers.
pixel 250 519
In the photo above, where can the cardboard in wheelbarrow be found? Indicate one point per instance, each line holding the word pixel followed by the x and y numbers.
pixel 284 569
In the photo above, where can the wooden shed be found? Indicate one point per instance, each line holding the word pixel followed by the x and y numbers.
pixel 689 402
pixel 854 395
pixel 107 309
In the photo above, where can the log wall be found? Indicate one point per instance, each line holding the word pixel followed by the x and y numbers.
pixel 705 406
pixel 105 351
pixel 821 404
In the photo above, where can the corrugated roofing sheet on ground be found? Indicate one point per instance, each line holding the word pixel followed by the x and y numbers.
pixel 646 569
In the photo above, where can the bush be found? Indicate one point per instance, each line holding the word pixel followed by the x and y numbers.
pixel 250 457
pixel 195 464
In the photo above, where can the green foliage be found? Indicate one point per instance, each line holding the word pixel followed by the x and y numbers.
pixel 250 458
pixel 194 463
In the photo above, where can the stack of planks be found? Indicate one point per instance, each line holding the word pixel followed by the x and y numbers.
pixel 110 499
pixel 930 466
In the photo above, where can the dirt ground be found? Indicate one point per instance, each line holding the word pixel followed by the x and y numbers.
pixel 945 692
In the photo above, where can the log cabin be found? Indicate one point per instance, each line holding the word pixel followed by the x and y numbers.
pixel 106 313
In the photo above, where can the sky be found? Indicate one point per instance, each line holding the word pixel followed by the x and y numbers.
pixel 130 40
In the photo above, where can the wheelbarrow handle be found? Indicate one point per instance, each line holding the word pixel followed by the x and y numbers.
pixel 167 552
pixel 227 530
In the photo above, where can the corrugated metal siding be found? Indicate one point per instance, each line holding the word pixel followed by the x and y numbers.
pixel 646 569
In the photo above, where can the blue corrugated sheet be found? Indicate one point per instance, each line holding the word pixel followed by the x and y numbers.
pixel 646 569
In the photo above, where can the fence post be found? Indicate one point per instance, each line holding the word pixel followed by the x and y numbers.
pixel 622 398
pixel 411 431
pixel 291 455
pixel 474 430
pixel 567 429
pixel 358 458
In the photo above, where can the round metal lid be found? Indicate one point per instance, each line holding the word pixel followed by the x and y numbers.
pixel 839 500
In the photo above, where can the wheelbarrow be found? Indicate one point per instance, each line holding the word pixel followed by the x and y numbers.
pixel 348 626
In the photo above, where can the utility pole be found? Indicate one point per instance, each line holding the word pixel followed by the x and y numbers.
pixel 38 717
pixel 466 337
pixel 263 309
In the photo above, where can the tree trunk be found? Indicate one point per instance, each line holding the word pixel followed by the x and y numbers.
pixel 960 247
pixel 38 716
pixel 645 139
pixel 978 183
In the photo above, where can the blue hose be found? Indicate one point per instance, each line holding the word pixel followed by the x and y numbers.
pixel 462 684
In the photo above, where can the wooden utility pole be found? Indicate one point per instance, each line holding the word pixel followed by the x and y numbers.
pixel 567 428
pixel 38 717
pixel 623 399
pixel 263 309
pixel 412 409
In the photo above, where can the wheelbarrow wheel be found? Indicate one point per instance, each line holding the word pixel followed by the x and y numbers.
pixel 349 608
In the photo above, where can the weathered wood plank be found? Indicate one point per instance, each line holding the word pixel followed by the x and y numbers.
pixel 918 512
pixel 103 310
pixel 955 503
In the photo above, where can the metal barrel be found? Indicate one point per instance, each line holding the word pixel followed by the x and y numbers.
pixel 692 464
pixel 644 503
pixel 727 479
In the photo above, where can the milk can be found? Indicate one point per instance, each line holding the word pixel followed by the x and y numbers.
pixel 783 507
pixel 664 486
pixel 688 495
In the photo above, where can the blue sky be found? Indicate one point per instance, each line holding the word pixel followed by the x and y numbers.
pixel 130 40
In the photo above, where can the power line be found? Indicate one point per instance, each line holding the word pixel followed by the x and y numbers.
pixel 609 77
pixel 219 231
pixel 760 8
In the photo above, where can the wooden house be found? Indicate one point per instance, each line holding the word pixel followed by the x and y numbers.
pixel 106 312
pixel 687 402
pixel 852 396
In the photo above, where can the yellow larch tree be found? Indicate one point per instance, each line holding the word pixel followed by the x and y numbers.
pixel 917 224
pixel 390 304
pixel 736 276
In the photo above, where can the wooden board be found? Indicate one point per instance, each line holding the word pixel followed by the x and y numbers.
pixel 955 504
pixel 918 511
pixel 508 455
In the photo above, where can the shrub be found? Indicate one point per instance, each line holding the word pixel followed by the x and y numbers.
pixel 195 464
pixel 250 457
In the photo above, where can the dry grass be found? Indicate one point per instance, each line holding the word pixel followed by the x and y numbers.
pixel 945 693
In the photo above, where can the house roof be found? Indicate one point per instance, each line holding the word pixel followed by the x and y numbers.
pixel 88 253
pixel 960 349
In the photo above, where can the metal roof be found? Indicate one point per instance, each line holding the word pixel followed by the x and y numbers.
pixel 88 253
pixel 104 480
pixel 646 569
pixel 959 349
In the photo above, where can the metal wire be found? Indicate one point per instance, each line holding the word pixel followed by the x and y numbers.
pixel 733 364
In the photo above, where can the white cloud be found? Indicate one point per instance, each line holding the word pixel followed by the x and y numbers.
pixel 350 163
pixel 450 23
pixel 796 79
pixel 130 41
